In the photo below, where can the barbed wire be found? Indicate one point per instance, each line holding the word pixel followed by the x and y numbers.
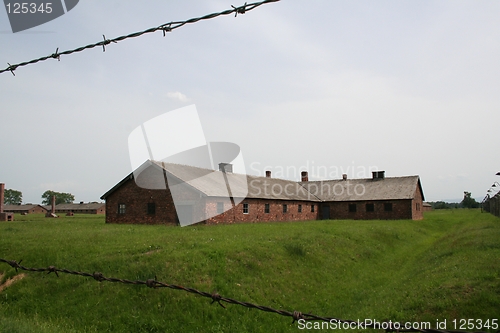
pixel 388 326
pixel 167 27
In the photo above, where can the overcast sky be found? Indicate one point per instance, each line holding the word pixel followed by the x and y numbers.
pixel 409 87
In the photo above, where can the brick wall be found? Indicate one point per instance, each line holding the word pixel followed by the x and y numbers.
pixel 38 210
pixel 417 204
pixel 82 211
pixel 20 209
pixel 401 209
pixel 136 201
pixel 256 211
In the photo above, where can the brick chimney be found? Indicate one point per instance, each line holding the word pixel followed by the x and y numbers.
pixel 268 174
pixel 2 189
pixel 4 216
pixel 304 177
pixel 226 167
pixel 344 176
pixel 53 210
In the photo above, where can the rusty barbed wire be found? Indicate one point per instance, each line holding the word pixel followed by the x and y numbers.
pixel 295 315
pixel 166 27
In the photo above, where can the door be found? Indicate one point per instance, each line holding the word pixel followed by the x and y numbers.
pixel 325 212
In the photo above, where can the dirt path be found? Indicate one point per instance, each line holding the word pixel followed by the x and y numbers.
pixel 9 282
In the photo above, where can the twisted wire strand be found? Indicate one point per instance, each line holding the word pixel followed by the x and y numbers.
pixel 166 27
pixel 295 315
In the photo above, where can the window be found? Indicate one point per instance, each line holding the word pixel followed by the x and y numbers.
pixel 267 208
pixel 220 207
pixel 121 208
pixel 285 208
pixel 388 207
pixel 352 208
pixel 151 208
pixel 245 208
pixel 300 208
pixel 312 208
pixel 370 207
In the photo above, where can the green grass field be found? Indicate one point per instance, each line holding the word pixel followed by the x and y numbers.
pixel 445 267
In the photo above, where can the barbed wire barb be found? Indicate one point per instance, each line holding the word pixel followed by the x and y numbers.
pixel 296 315
pixel 56 55
pixel 166 27
pixel 11 68
pixel 239 10
pixel 217 298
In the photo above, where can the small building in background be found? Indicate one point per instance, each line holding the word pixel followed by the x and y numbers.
pixel 4 216
pixel 81 208
pixel 25 209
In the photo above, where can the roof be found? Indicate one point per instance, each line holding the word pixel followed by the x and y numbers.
pixel 214 183
pixel 389 188
pixel 280 189
pixel 20 207
pixel 80 206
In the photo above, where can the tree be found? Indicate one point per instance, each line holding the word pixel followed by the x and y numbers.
pixel 468 201
pixel 60 197
pixel 12 197
pixel 443 205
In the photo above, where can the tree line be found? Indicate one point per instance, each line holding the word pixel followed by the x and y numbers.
pixel 14 197
pixel 467 202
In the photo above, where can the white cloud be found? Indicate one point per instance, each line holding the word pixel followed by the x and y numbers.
pixel 176 95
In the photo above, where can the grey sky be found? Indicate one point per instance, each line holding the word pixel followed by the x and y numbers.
pixel 409 87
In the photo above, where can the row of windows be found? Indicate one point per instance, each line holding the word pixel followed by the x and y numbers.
pixel 370 207
pixel 151 208
pixel 267 208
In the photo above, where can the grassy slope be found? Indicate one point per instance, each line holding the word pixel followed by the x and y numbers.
pixel 444 267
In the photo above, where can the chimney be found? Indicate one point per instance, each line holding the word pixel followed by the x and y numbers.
pixel 226 167
pixel 53 210
pixel 2 189
pixel 304 177
pixel 268 174
pixel 344 176
pixel 4 216
pixel 378 175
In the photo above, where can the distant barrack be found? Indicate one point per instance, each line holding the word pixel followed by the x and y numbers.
pixel 167 27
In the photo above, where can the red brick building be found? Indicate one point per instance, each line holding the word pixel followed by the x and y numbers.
pixel 374 198
pixel 25 209
pixel 81 208
pixel 146 196
pixel 206 195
